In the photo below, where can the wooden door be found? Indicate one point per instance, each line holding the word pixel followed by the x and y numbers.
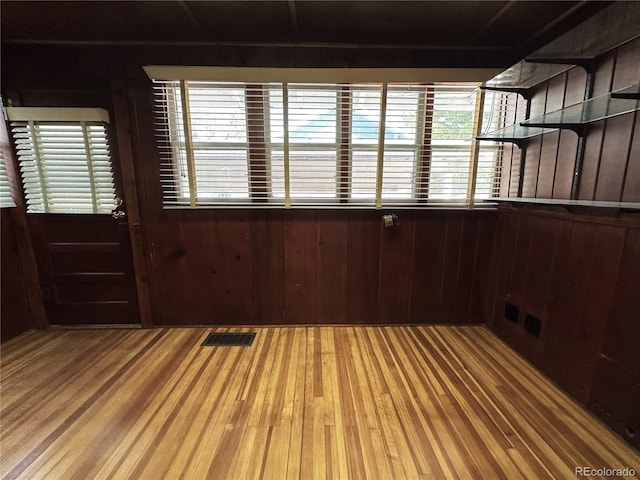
pixel 86 269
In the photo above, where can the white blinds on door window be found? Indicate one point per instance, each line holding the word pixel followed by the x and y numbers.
pixel 316 144
pixel 65 165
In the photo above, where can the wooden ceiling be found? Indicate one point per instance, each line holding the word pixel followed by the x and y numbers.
pixel 487 33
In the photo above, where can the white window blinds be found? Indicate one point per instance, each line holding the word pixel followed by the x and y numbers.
pixel 315 144
pixel 65 165
pixel 6 199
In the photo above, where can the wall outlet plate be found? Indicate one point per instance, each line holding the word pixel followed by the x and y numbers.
pixel 511 312
pixel 532 325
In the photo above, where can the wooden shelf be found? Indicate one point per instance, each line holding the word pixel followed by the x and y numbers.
pixel 566 203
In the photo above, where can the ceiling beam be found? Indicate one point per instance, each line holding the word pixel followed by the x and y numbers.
pixel 194 20
pixel 493 20
pixel 293 16
pixel 310 45
pixel 542 31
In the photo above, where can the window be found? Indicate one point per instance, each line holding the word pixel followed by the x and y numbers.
pixel 64 159
pixel 296 144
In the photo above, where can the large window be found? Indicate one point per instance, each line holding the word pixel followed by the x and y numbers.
pixel 322 144
pixel 64 159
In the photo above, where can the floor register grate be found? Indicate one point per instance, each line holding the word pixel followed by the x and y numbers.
pixel 229 339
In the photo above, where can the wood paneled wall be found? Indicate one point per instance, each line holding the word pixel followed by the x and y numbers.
pixel 580 276
pixel 266 266
pixel 276 266
pixel 21 305
pixel 611 162
pixel 15 313
pixel 319 266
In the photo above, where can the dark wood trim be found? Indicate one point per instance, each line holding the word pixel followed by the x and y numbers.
pixel 601 216
pixel 21 231
pixel 122 113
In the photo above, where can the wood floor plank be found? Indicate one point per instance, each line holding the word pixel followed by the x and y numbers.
pixel 402 402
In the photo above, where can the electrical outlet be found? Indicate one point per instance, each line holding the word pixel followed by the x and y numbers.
pixel 532 325
pixel 511 312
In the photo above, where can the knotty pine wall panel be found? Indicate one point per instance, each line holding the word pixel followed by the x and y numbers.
pixel 396 270
pixel 516 278
pixel 505 248
pixel 451 271
pixel 267 236
pixel 467 256
pixel 578 274
pixel 536 286
pixel 631 189
pixel 300 254
pixel 591 161
pixel 547 165
pixel 616 388
pixel 15 316
pixel 568 142
pixel 614 158
pixel 627 68
pixel 611 152
pixel 310 266
pixel 563 174
pixel 533 147
pixel 570 277
pixel 362 274
pixel 509 171
pixel 428 265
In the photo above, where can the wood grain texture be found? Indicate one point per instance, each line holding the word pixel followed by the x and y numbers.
pixel 610 163
pixel 303 402
pixel 309 266
pixel 627 71
pixel 126 176
pixel 19 279
pixel 614 158
pixel 631 191
pixel 15 313
pixel 616 389
pixel 84 264
pixel 576 274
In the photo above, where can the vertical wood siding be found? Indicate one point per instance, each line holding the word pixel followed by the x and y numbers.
pixel 319 266
pixel 579 275
pixel 15 315
pixel 611 164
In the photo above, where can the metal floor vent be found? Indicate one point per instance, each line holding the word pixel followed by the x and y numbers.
pixel 229 339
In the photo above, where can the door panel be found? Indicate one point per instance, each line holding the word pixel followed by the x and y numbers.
pixel 85 269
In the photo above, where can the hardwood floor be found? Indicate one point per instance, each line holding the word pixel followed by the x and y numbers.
pixel 417 402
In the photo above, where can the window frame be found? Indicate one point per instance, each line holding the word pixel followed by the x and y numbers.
pixel 259 148
pixel 88 129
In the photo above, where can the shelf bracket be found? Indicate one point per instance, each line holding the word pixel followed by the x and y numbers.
pixel 629 93
pixel 519 142
pixel 586 63
pixel 525 93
